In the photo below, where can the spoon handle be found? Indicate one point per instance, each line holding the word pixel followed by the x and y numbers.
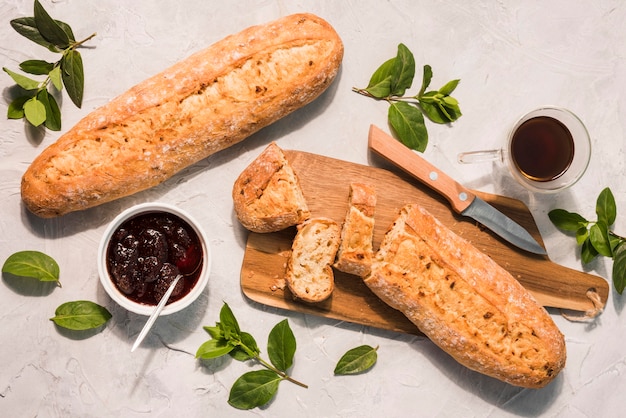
pixel 155 314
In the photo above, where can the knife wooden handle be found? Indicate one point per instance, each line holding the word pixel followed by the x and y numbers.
pixel 397 153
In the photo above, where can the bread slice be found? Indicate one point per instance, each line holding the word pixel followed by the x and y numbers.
pixel 465 303
pixel 267 196
pixel 357 233
pixel 205 103
pixel 309 273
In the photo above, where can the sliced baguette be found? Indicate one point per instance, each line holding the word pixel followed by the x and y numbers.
pixel 267 196
pixel 465 303
pixel 355 249
pixel 207 102
pixel 309 274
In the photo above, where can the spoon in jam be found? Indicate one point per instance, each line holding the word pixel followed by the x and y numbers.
pixel 188 262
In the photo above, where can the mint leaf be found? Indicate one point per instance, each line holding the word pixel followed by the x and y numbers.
pixel 281 346
pixel 408 123
pixel 357 360
pixel 254 389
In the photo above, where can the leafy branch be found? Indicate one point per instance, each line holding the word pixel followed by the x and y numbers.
pixel 596 237
pixel 406 113
pixel 37 105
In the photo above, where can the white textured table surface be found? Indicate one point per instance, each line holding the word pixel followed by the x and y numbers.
pixel 510 56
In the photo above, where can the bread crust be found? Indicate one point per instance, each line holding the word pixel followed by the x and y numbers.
pixel 267 196
pixel 309 275
pixel 355 249
pixel 203 104
pixel 465 303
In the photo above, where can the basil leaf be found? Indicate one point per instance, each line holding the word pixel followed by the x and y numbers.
pixel 588 252
pixel 426 78
pixel 16 107
pixel 408 123
pixel 247 348
pixel 581 235
pixel 281 346
pixel 449 87
pixel 215 332
pixel 403 71
pixel 55 77
pixel 213 349
pixel 53 114
pixel 228 322
pixel 72 74
pixel 34 264
pixel 605 207
pixel 35 111
pixel 24 82
pixel 567 221
pixel 80 315
pixel 254 389
pixel 50 30
pixel 619 268
pixel 36 67
pixel 599 237
pixel 380 83
pixel 357 360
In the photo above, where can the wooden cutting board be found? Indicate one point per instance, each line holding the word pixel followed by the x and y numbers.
pixel 326 183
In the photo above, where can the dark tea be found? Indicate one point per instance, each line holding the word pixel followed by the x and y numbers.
pixel 542 148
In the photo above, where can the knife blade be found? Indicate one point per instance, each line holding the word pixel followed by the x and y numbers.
pixel 462 200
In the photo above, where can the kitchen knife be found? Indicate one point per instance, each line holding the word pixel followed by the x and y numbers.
pixel 463 201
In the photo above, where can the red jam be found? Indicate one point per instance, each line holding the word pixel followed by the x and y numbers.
pixel 148 251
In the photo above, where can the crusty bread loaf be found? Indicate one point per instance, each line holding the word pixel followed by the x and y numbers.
pixel 465 303
pixel 357 232
pixel 201 105
pixel 267 196
pixel 309 274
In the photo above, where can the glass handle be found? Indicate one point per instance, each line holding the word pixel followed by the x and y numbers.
pixel 472 157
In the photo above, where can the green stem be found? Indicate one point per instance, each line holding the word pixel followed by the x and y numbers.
pixel 79 43
pixel 280 373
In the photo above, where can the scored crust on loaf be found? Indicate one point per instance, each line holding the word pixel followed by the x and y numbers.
pixel 465 303
pixel 200 105
pixel 309 274
pixel 355 249
pixel 267 196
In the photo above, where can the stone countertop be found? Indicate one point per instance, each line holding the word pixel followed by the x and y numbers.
pixel 511 57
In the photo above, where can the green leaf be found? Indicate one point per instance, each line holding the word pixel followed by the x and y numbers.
pixel 80 315
pixel 408 123
pixel 449 87
pixel 215 332
pixel 281 346
pixel 619 268
pixel 32 264
pixel 72 74
pixel 582 234
pixel 228 322
pixel 567 221
pixel 16 107
pixel 606 208
pixel 426 78
pixel 36 67
pixel 588 252
pixel 24 82
pixel 53 114
pixel 248 348
pixel 27 27
pixel 357 360
pixel 254 389
pixel 55 77
pixel 599 237
pixel 213 349
pixel 403 71
pixel 35 111
pixel 49 29
pixel 380 82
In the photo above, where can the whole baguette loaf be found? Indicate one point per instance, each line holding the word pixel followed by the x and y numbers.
pixel 267 196
pixel 465 303
pixel 309 274
pixel 201 105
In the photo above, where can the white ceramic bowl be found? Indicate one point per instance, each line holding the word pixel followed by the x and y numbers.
pixel 120 297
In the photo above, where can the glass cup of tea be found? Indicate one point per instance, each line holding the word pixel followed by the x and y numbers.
pixel 547 150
